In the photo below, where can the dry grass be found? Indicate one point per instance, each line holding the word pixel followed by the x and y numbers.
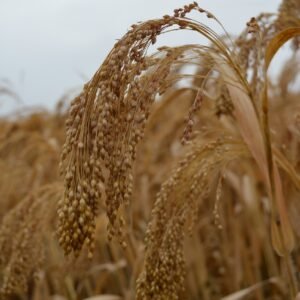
pixel 196 186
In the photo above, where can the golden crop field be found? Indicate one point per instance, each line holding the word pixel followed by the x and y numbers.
pixel 142 188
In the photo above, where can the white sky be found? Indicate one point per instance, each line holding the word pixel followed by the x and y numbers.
pixel 50 46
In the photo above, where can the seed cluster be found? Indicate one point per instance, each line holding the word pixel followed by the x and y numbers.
pixel 176 211
pixel 190 118
pixel 21 266
pixel 251 47
pixel 23 255
pixel 224 105
pixel 289 16
pixel 105 124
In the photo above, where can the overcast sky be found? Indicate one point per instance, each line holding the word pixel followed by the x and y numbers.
pixel 51 46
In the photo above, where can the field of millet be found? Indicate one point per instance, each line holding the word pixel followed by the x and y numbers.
pixel 145 188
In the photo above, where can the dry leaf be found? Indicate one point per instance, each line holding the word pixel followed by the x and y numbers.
pixel 278 41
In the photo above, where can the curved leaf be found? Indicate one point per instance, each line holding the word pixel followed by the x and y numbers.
pixel 281 229
pixel 278 41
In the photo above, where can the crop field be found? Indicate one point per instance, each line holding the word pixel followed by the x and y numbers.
pixel 173 174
